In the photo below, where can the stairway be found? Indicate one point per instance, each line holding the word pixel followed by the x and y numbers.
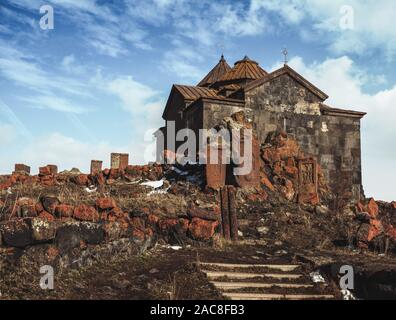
pixel 262 281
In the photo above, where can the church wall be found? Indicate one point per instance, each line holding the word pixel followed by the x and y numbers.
pixel 214 112
pixel 333 140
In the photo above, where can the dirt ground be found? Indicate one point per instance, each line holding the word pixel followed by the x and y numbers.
pixel 167 274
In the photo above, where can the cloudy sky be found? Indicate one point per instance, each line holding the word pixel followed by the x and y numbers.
pixel 98 81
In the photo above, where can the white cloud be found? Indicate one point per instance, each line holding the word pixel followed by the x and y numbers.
pixel 344 84
pixel 54 103
pixel 145 106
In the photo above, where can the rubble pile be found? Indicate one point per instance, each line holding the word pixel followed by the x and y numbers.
pixel 48 176
pixel 377 224
pixel 69 226
pixel 288 171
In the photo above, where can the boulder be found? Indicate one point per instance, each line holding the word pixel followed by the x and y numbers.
pixel 203 230
pixel 115 230
pixel 105 203
pixel 49 203
pixel 16 233
pixel 46 216
pixel 42 229
pixel 64 211
pixel 86 213
pixel 26 208
pixel 44 171
pixel 372 208
pixel 72 233
pixel 203 213
pixel 81 180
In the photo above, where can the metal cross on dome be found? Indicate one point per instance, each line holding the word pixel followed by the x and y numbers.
pixel 285 53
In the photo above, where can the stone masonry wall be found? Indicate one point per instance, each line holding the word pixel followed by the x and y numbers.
pixel 333 140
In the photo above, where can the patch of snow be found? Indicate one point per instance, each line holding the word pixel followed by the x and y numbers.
pixel 153 184
pixel 240 233
pixel 9 191
pixel 91 189
pixel 316 277
pixel 175 247
pixel 158 192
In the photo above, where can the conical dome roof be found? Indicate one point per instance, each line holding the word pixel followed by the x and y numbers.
pixel 216 73
pixel 244 69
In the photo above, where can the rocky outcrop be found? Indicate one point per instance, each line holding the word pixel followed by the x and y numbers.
pixel 377 221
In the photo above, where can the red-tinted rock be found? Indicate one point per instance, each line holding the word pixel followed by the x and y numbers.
pixel 138 234
pixel 81 180
pixel 86 213
pixel 372 208
pixel 203 213
pixel 376 228
pixel 46 216
pixel 360 207
pixel 247 173
pixel 64 211
pixel 44 171
pixel 265 181
pixel 116 214
pixel 200 229
pixel 48 180
pixel 105 203
pixel 167 225
pixel 39 207
pixel 115 174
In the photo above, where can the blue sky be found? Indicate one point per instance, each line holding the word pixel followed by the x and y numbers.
pixel 98 81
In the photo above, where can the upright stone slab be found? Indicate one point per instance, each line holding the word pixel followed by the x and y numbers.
pixel 215 170
pixel 96 167
pixel 233 213
pixel 22 169
pixel 119 160
pixel 308 181
pixel 225 215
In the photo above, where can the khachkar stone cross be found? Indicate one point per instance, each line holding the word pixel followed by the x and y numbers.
pixel 285 53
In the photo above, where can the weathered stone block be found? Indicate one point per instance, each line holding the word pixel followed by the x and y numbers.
pixel 96 167
pixel 16 233
pixel 119 160
pixel 71 234
pixel 22 169
pixel 42 229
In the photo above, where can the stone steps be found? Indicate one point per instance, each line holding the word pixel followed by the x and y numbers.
pixel 246 275
pixel 241 285
pixel 273 296
pixel 242 281
pixel 280 267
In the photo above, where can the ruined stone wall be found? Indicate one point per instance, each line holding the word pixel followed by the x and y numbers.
pixel 214 112
pixel 284 104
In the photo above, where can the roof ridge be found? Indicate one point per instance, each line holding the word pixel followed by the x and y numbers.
pixel 221 68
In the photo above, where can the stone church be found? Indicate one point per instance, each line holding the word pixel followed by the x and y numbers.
pixel 279 100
